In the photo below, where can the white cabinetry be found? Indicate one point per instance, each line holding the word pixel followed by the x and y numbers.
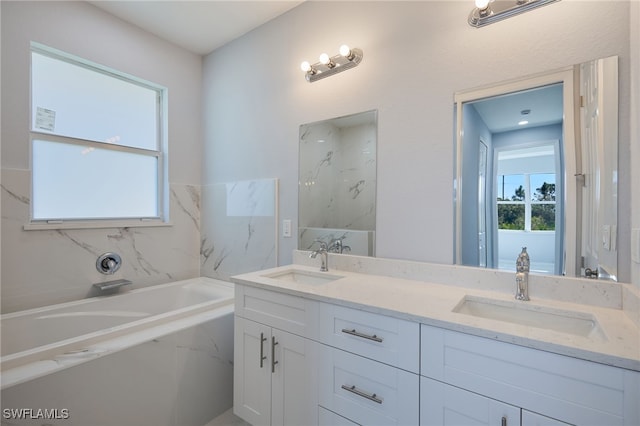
pixel 275 374
pixel 303 362
pixel 559 387
pixel 364 360
pixel 533 419
pixel 446 405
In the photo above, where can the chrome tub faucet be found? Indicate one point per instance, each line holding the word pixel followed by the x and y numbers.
pixel 522 275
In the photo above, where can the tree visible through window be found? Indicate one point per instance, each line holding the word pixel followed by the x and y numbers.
pixel 520 208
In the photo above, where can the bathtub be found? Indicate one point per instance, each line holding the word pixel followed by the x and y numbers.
pixel 167 348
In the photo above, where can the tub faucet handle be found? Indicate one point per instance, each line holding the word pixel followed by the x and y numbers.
pixel 108 263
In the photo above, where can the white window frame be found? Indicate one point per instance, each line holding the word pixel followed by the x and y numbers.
pixel 162 196
pixel 528 202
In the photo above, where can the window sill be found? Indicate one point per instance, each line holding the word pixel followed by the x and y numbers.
pixel 95 224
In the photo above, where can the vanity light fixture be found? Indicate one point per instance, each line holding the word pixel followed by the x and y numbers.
pixel 326 66
pixel 489 11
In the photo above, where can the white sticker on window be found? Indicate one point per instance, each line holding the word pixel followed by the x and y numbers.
pixel 45 119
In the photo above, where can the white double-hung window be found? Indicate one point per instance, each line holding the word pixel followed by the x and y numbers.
pixel 98 145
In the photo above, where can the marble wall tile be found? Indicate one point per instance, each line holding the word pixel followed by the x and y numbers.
pixel 361 243
pixel 337 176
pixel 44 267
pixel 239 230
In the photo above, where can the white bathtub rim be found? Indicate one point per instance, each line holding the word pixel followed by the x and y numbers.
pixel 39 368
pixel 94 299
pixel 76 343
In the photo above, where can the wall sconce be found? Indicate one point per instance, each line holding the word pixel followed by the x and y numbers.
pixel 489 11
pixel 346 59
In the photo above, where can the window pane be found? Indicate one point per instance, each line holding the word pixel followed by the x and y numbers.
pixel 510 187
pixel 71 100
pixel 543 217
pixel 543 187
pixel 511 216
pixel 80 182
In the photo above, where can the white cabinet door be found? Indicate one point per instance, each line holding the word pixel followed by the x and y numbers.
pixel 293 380
pixel 446 405
pixel 252 372
pixel 533 419
pixel 275 382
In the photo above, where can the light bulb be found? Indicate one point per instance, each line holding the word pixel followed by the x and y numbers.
pixel 324 59
pixel 345 50
pixel 305 66
pixel 482 4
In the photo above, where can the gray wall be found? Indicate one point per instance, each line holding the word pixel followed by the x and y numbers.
pixel 43 267
pixel 416 55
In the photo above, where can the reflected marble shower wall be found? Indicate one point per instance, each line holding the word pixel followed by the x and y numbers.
pixel 43 267
pixel 338 181
pixel 359 243
pixel 239 232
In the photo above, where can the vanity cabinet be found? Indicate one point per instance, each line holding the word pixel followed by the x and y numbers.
pixel 303 362
pixel 559 387
pixel 445 405
pixel 368 366
pixel 275 372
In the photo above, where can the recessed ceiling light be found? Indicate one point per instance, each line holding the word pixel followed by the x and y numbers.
pixel 522 123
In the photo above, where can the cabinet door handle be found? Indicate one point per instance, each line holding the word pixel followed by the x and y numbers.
pixel 273 354
pixel 504 421
pixel 371 397
pixel 353 332
pixel 262 357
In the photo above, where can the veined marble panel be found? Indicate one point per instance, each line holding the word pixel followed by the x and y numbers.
pixel 360 243
pixel 43 267
pixel 239 232
pixel 337 176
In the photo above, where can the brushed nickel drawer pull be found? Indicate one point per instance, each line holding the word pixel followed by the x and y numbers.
pixel 262 355
pixel 353 332
pixel 358 392
pixel 273 354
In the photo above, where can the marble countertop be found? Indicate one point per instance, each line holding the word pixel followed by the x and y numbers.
pixel 618 343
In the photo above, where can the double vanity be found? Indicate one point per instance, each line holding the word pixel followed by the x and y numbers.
pixel 384 342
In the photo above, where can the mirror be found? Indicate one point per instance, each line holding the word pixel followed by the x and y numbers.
pixel 533 170
pixel 337 184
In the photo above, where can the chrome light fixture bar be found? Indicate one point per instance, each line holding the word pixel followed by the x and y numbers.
pixel 347 58
pixel 487 12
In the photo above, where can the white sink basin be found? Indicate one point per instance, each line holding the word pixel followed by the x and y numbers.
pixel 523 313
pixel 304 277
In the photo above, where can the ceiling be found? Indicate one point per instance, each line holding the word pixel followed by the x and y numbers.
pixel 198 26
pixel 502 113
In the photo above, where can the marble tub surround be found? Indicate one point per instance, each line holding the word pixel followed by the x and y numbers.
pixel 239 233
pixel 44 267
pixel 424 293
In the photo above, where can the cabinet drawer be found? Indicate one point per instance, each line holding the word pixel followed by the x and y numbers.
pixel 569 389
pixel 446 405
pixel 379 337
pixel 367 392
pixel 329 418
pixel 283 311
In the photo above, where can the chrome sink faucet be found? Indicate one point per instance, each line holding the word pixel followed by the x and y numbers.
pixel 522 275
pixel 323 252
